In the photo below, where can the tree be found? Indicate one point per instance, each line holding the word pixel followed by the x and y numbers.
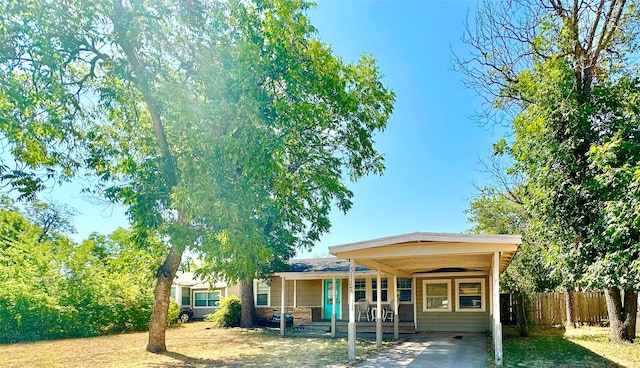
pixel 225 127
pixel 566 75
pixel 51 217
pixel 51 287
pixel 500 208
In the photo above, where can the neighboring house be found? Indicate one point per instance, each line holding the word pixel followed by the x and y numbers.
pixel 188 290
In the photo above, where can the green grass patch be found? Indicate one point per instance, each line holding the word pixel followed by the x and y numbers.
pixel 583 347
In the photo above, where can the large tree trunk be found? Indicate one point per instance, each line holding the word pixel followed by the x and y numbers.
pixel 161 295
pixel 631 308
pixel 126 39
pixel 570 303
pixel 522 303
pixel 621 317
pixel 248 314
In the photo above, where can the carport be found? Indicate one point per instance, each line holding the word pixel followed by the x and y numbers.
pixel 448 273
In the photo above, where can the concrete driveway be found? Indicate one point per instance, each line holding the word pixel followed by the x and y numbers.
pixel 435 349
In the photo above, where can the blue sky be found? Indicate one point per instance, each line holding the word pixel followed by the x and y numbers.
pixel 431 144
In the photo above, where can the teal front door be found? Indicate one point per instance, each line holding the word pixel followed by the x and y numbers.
pixel 328 293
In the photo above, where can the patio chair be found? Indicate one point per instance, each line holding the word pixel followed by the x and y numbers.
pixel 389 311
pixel 362 306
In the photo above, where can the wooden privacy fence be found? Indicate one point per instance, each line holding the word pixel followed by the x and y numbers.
pixel 550 308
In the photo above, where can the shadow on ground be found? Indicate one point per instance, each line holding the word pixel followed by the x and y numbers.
pixel 549 348
pixel 185 361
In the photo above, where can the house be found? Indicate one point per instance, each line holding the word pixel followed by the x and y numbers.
pixel 440 282
pixel 203 298
pixel 435 281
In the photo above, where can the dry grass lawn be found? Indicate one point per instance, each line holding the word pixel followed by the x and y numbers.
pixel 191 345
pixel 596 339
pixel 584 347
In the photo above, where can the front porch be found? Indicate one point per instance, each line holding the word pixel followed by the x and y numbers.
pixel 324 326
pixel 455 280
pixel 423 281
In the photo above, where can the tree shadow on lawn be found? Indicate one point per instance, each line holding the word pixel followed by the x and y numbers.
pixel 189 362
pixel 547 347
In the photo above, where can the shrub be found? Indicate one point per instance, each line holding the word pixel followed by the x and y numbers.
pixel 229 313
pixel 174 313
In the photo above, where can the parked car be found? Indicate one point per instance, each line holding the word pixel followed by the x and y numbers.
pixel 186 314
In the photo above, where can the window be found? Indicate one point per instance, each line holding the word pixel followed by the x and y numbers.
pixel 437 295
pixel 404 289
pixel 383 288
pixel 470 295
pixel 261 290
pixel 206 298
pixel 173 293
pixel 186 296
pixel 360 289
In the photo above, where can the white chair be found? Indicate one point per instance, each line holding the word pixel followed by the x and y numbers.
pixel 362 306
pixel 389 311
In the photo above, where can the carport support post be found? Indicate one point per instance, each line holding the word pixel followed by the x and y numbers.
pixel 283 318
pixel 352 312
pixel 495 299
pixel 333 307
pixel 396 323
pixel 379 310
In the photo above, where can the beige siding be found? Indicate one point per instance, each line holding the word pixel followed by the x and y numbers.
pixel 452 321
pixel 274 292
pixel 309 293
pixel 233 290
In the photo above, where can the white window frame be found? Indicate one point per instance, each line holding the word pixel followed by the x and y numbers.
pixel 483 292
pixel 365 289
pixel 374 289
pixel 424 295
pixel 410 301
pixel 207 299
pixel 188 295
pixel 255 293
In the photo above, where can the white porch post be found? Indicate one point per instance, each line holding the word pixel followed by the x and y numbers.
pixel 352 312
pixel 295 293
pixel 179 294
pixel 396 323
pixel 333 307
pixel 283 319
pixel 491 292
pixel 495 299
pixel 379 309
pixel 415 302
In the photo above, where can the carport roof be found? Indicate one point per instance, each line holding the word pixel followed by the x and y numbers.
pixel 408 254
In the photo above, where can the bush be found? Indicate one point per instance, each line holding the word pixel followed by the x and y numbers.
pixel 229 313
pixel 173 319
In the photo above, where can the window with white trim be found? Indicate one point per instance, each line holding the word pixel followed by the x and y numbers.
pixel 384 286
pixel 470 295
pixel 261 291
pixel 360 288
pixel 208 299
pixel 404 289
pixel 436 295
pixel 186 296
